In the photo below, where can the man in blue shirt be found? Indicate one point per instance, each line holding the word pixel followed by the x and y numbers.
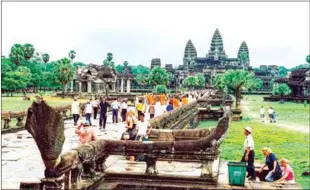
pixel 103 113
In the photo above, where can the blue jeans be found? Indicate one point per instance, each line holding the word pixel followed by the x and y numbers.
pixel 88 116
pixel 114 115
pixel 269 177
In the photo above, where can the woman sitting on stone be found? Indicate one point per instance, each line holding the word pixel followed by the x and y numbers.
pixel 273 165
pixel 288 174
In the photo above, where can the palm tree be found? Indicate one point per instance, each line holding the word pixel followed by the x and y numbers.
pixel 28 51
pixel 45 57
pixel 72 54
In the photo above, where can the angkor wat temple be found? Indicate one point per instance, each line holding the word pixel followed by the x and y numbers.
pixel 216 61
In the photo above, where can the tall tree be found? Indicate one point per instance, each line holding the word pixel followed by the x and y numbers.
pixel 282 89
pixel 140 70
pixel 46 57
pixel 109 60
pixel 64 72
pixel 158 76
pixel 72 54
pixel 119 68
pixel 217 82
pixel 282 71
pixel 190 82
pixel 28 51
pixel 237 80
pixel 16 80
pixel 201 81
pixel 17 54
pixel 142 80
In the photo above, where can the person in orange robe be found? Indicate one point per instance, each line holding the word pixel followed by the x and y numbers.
pixel 175 103
pixel 162 99
pixel 185 100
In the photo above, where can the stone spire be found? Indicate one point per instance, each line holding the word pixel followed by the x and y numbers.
pixel 244 48
pixel 190 54
pixel 216 51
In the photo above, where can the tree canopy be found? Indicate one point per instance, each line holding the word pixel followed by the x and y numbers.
pixel 158 76
pixel 236 81
pixel 282 89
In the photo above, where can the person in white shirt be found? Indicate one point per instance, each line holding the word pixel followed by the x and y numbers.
pixel 88 112
pixel 249 153
pixel 262 113
pixel 158 108
pixel 124 108
pixel 115 107
pixel 75 110
pixel 95 105
pixel 142 134
pixel 270 112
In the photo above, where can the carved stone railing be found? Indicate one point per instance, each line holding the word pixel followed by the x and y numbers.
pixel 7 117
pixel 88 161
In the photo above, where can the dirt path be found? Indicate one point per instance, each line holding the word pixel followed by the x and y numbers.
pixel 255 116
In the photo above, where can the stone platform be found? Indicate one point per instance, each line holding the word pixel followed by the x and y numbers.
pixel 21 159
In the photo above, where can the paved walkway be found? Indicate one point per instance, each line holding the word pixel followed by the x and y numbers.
pixel 21 159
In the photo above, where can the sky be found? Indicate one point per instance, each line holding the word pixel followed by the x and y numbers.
pixel 276 33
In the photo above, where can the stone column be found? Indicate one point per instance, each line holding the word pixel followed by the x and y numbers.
pixel 80 86
pixel 122 85
pixel 113 87
pixel 72 86
pixel 128 85
pixel 89 86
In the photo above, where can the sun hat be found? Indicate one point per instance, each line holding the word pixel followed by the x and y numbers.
pixel 249 129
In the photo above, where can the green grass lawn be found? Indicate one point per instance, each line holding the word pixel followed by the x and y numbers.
pixel 285 143
pixel 18 104
pixel 289 112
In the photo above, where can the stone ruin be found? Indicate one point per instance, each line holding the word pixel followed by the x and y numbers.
pixel 84 167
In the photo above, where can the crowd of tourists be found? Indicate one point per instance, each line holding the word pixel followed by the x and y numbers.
pixel 135 115
pixel 277 172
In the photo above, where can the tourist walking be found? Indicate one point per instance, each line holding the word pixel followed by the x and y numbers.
pixel 95 104
pixel 75 110
pixel 249 153
pixel 115 107
pixel 103 113
pixel 271 162
pixel 88 112
pixel 270 112
pixel 288 173
pixel 85 133
pixel 262 113
pixel 124 107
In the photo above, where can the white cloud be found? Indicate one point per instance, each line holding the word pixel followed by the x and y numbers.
pixel 276 33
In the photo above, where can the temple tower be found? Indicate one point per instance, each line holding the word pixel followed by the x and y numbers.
pixel 216 53
pixel 190 54
pixel 155 63
pixel 244 48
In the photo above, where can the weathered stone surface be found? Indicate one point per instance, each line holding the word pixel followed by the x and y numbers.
pixel 46 126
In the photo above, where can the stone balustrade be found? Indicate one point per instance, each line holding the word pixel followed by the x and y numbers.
pixel 7 117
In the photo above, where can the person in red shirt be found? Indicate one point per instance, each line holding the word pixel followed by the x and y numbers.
pixel 85 132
